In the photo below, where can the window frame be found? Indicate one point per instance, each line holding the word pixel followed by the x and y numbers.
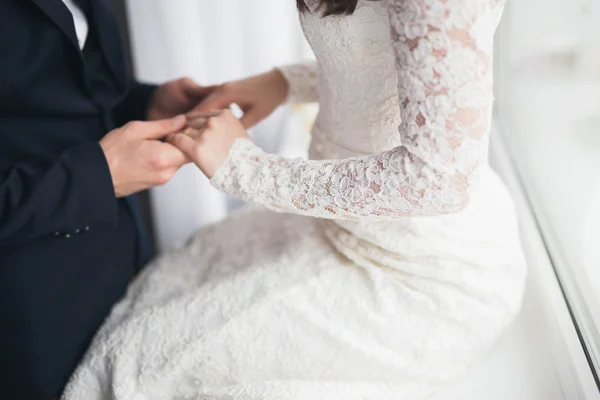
pixel 574 337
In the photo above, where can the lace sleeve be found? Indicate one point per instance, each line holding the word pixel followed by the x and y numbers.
pixel 443 56
pixel 302 79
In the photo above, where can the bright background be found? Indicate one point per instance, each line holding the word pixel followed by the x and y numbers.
pixel 548 91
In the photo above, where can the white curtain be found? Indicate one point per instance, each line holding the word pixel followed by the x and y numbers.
pixel 211 41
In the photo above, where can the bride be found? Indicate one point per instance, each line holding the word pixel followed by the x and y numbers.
pixel 378 269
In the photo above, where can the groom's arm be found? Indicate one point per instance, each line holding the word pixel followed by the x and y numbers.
pixel 44 197
pixel 135 105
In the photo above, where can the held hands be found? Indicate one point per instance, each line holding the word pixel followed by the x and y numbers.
pixel 177 97
pixel 211 134
pixel 208 139
pixel 137 159
pixel 136 156
pixel 258 96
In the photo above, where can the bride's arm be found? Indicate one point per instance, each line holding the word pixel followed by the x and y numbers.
pixel 259 95
pixel 302 81
pixel 443 60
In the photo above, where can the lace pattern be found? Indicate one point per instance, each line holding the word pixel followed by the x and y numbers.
pixel 302 79
pixel 443 52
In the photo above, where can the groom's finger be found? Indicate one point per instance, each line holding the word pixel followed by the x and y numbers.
pixel 198 123
pixel 202 115
pixel 185 143
pixel 157 129
pixel 171 156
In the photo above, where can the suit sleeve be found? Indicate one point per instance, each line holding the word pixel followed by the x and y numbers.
pixel 73 191
pixel 135 105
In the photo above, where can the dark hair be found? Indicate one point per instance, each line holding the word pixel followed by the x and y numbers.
pixel 331 7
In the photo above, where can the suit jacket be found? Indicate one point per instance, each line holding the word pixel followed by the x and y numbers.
pixel 68 247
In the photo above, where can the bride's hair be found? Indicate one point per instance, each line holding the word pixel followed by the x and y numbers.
pixel 331 7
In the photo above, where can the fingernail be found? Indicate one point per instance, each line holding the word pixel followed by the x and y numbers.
pixel 178 120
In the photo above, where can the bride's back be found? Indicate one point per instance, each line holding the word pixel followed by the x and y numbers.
pixel 358 96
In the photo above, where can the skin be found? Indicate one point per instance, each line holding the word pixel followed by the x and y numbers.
pixel 209 138
pixel 213 128
pixel 137 156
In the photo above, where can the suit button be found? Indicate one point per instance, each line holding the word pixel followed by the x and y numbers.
pixel 77 230
pixel 56 233
pixel 87 228
pixel 67 236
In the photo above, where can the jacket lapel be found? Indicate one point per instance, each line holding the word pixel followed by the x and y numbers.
pixel 105 24
pixel 102 20
pixel 61 16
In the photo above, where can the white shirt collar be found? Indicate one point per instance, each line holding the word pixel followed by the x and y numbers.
pixel 80 20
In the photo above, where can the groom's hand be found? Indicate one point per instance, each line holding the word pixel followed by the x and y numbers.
pixel 257 96
pixel 177 97
pixel 136 157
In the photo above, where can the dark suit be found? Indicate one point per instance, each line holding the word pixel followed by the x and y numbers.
pixel 68 247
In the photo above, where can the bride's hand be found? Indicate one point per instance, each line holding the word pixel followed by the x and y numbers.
pixel 208 139
pixel 258 96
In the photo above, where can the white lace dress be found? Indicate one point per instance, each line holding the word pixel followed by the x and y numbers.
pixel 391 260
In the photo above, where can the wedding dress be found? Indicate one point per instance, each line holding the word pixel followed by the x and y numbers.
pixel 392 260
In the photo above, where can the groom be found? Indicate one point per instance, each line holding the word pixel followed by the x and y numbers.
pixel 71 237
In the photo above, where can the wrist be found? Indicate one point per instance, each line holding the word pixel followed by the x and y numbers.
pixel 111 163
pixel 281 82
pixel 153 113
